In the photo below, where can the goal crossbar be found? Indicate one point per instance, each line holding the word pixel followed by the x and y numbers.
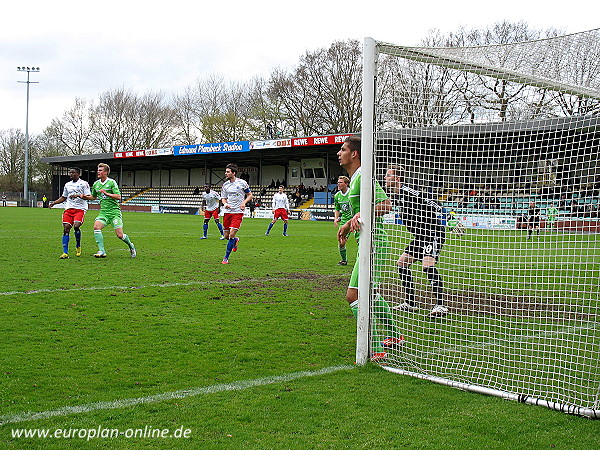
pixel 430 56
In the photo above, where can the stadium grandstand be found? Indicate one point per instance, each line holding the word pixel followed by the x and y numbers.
pixel 171 179
pixel 501 171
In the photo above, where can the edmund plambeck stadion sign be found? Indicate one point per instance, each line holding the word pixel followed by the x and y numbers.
pixel 222 147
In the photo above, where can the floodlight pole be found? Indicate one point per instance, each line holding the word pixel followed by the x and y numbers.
pixel 26 174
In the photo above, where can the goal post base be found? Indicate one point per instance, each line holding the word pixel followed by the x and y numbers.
pixel 590 413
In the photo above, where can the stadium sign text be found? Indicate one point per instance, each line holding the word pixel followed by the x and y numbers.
pixel 129 154
pixel 222 147
pixel 320 140
pixel 278 143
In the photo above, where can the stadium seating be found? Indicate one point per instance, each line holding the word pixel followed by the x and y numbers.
pixel 184 195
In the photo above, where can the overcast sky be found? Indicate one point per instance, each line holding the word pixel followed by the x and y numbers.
pixel 86 48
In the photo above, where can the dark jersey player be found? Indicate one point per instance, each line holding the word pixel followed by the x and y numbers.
pixel 419 214
pixel 533 219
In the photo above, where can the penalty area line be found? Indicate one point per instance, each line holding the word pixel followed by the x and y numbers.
pixel 125 403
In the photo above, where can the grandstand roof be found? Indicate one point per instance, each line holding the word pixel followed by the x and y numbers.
pixel 259 153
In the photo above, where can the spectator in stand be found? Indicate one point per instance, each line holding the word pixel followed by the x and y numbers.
pixel 574 207
pixel 563 202
pixel 297 198
pixel 251 206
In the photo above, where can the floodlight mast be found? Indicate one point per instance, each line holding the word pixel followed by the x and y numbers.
pixel 26 174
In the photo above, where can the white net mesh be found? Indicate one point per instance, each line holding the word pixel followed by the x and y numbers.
pixel 490 158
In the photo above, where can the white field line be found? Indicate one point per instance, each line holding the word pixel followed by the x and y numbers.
pixel 126 403
pixel 152 285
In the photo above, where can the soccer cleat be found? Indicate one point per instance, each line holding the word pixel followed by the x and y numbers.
pixel 285 234
pixel 380 356
pixel 203 237
pixel 225 261
pixel 438 311
pixel 390 342
pixel 342 263
pixel 266 234
pixel 100 255
pixel 222 238
pixel 64 256
pixel 133 252
pixel 78 251
pixel 237 239
pixel 406 307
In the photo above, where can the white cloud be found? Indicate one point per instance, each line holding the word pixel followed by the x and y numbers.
pixel 84 49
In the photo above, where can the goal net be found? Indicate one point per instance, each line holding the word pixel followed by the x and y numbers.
pixel 485 270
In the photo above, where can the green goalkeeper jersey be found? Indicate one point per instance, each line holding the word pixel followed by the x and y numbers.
pixel 107 204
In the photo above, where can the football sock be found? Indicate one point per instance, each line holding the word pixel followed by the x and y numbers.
pixel 343 253
pixel 436 282
pixel 78 237
pixel 230 245
pixel 205 229
pixel 383 313
pixel 407 282
pixel 270 226
pixel 127 241
pixel 354 308
pixel 285 227
pixel 220 227
pixel 65 243
pixel 99 240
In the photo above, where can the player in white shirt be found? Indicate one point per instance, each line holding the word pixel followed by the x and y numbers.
pixel 235 193
pixel 75 209
pixel 281 208
pixel 210 202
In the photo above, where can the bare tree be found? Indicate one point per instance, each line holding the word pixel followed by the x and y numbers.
pixel 73 130
pixel 111 120
pixel 222 110
pixel 151 122
pixel 266 118
pixel 12 162
pixel 323 93
pixel 185 117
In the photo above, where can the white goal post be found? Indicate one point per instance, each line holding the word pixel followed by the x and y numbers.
pixel 485 274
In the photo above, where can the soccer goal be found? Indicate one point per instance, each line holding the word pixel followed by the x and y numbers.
pixel 489 277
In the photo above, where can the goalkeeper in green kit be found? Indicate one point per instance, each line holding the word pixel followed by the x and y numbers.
pixel 110 211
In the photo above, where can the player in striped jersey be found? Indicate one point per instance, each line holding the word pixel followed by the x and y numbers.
pixel 235 193
pixel 75 210
pixel 281 208
pixel 210 202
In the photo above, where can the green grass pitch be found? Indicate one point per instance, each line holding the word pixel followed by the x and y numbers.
pixel 89 343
